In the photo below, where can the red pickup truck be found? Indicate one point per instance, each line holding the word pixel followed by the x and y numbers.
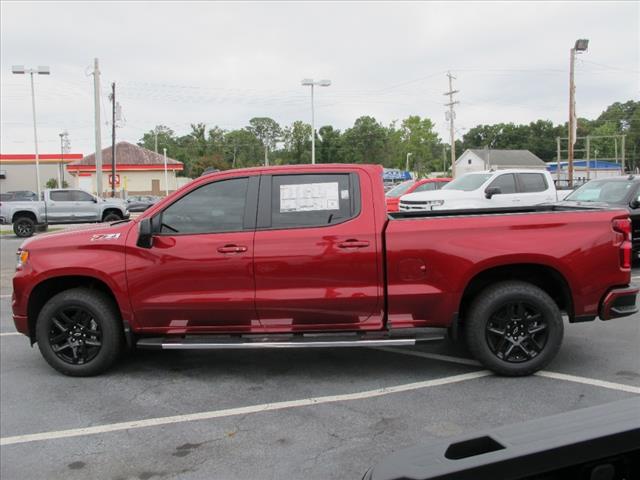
pixel 307 256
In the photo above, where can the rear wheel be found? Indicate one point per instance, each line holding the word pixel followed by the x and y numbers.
pixel 514 328
pixel 24 227
pixel 79 332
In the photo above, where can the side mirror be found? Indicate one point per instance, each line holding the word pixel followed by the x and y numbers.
pixel 145 233
pixel 635 203
pixel 491 191
pixel 95 200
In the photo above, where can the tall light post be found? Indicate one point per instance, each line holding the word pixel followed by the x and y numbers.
pixel 41 70
pixel 166 177
pixel 406 166
pixel 580 46
pixel 311 83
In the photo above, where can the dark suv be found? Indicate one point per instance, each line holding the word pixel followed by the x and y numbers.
pixel 613 192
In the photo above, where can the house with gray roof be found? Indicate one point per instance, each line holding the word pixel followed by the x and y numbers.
pixel 475 160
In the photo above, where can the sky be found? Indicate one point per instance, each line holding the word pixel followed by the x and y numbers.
pixel 177 63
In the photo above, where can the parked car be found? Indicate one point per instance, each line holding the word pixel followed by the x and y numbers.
pixel 139 203
pixel 19 196
pixel 60 206
pixel 488 189
pixel 307 256
pixel 410 186
pixel 616 192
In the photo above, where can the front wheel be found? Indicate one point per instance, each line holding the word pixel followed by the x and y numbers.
pixel 24 227
pixel 79 332
pixel 514 328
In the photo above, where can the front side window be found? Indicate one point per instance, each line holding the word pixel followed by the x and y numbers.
pixel 213 208
pixel 532 182
pixel 61 196
pixel 506 183
pixel 311 200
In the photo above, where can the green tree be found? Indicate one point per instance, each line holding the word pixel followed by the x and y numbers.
pixel 297 142
pixel 418 138
pixel 242 148
pixel 329 145
pixel 266 130
pixel 365 142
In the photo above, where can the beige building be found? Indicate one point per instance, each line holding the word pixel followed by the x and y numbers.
pixel 18 171
pixel 138 171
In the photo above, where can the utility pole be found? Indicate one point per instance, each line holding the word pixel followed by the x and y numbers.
pixel 622 158
pixel 98 126
pixel 580 46
pixel 589 158
pixel 113 139
pixel 451 115
pixel 155 134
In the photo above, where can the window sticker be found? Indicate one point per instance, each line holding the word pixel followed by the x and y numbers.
pixel 344 194
pixel 309 197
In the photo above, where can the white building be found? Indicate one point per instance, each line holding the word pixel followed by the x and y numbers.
pixel 476 160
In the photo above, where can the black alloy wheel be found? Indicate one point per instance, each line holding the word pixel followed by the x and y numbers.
pixel 517 332
pixel 75 336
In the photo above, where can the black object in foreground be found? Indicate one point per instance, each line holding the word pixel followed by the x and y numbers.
pixel 596 443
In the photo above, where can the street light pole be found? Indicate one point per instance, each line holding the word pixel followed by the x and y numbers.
pixel 581 45
pixel 321 83
pixel 41 70
pixel 166 178
pixel 406 167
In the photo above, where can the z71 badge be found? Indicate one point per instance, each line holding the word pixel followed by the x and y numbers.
pixel 105 236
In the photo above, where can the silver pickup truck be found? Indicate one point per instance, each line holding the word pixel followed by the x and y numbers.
pixel 60 206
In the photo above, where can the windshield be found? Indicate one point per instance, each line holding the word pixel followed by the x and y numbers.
pixel 400 189
pixel 608 191
pixel 468 182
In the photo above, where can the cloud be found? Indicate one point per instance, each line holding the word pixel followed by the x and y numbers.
pixel 223 63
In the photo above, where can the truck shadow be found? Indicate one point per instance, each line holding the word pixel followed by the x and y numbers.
pixel 258 366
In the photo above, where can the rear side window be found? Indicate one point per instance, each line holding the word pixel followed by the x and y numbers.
pixel 426 187
pixel 312 200
pixel 532 182
pixel 213 208
pixel 61 196
pixel 506 182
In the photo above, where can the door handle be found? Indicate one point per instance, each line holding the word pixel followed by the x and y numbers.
pixel 353 244
pixel 232 249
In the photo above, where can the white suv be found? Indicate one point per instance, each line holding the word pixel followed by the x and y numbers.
pixel 488 189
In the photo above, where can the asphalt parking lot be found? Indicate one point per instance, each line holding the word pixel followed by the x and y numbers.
pixel 278 414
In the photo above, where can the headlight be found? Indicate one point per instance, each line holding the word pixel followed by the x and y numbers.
pixel 23 257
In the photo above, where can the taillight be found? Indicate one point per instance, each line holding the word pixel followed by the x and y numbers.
pixel 623 226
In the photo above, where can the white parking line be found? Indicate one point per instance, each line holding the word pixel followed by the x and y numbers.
pixel 555 375
pixel 6 334
pixel 265 407
pixel 590 381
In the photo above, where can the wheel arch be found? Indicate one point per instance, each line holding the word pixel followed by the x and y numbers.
pixel 24 213
pixel 110 210
pixel 545 277
pixel 49 287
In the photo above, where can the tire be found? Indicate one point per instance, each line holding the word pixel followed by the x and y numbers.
pixel 96 321
pixel 517 316
pixel 24 227
pixel 111 217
